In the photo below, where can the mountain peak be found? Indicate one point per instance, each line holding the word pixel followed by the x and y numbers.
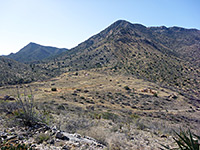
pixel 33 44
pixel 125 24
pixel 121 22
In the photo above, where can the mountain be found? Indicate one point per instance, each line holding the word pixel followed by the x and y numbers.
pixel 177 42
pixel 35 52
pixel 169 56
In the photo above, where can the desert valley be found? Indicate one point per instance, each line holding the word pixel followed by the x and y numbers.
pixel 127 87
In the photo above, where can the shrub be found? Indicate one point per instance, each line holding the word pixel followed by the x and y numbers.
pixel 42 137
pixel 140 124
pixel 75 123
pixel 126 88
pixel 82 97
pixel 155 94
pixel 61 107
pixel 86 91
pixel 109 116
pixel 53 89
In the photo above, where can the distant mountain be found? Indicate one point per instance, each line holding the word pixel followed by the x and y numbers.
pixel 35 52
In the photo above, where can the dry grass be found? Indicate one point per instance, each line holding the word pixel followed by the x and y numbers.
pixel 98 105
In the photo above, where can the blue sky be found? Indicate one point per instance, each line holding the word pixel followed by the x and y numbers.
pixel 66 23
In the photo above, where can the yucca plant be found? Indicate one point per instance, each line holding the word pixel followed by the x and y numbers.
pixel 26 102
pixel 27 111
pixel 185 141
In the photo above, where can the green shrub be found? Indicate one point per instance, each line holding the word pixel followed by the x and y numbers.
pixel 126 88
pixel 109 116
pixel 134 116
pixel 53 89
pixel 42 137
pixel 155 94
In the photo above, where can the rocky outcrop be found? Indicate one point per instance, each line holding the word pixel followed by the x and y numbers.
pixel 7 97
pixel 44 137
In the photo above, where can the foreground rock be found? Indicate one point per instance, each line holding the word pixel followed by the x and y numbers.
pixel 47 138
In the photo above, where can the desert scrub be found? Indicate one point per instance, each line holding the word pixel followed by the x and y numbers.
pixel 155 94
pixel 40 138
pixel 54 89
pixel 127 88
pixel 109 116
pixel 61 107
pixel 140 124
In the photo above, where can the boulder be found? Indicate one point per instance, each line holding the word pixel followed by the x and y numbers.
pixel 61 136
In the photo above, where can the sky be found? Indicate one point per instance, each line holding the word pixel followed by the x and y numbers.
pixel 66 23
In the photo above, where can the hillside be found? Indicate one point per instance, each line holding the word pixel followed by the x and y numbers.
pixel 14 72
pixel 185 42
pixel 35 52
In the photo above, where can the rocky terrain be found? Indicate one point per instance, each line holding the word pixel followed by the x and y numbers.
pixel 119 112
pixel 44 137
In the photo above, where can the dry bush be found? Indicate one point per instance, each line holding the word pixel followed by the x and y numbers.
pixel 97 132
pixel 23 110
pixel 73 123
pixel 117 141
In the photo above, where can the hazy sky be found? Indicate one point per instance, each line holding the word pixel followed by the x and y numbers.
pixel 66 23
